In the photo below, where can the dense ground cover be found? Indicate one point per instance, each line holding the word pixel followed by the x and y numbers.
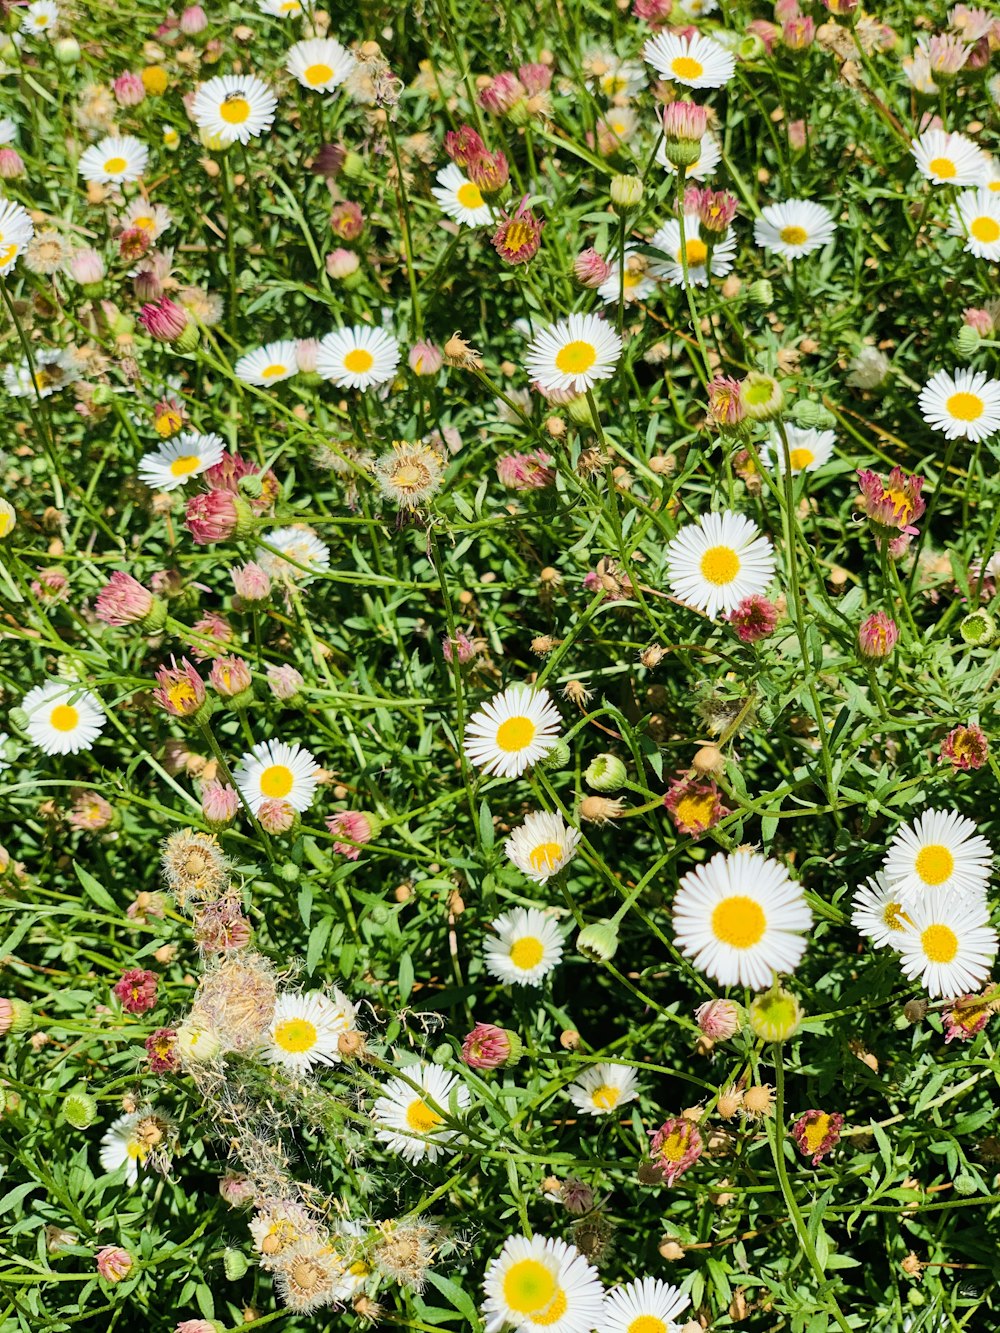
pixel 498 562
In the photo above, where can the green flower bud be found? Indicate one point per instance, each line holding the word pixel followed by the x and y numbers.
pixel 234 1263
pixel 20 1016
pixel 965 1185
pixel 18 719
pixel 813 416
pixel 761 396
pixel 190 337
pixel 776 1015
pixel 761 292
pixel 558 757
pixel 978 629
pixel 579 411
pixel 353 166
pixel 79 1108
pixel 626 192
pixel 442 1054
pixel 379 914
pixel 605 773
pixel 598 941
pixel 967 341
pixel 751 48
pixel 289 873
pixel 251 486
pixel 67 51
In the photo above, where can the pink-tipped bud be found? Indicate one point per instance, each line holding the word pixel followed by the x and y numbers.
pixel 535 78
pixel 684 122
pixel 463 144
pixel 86 267
pixel 252 583
pixel 136 990
pixel 285 681
pixel 590 268
pixel 146 285
pixel 502 94
pixel 306 350
pixel 236 1189
pixel 715 208
pixel 129 89
pixel 979 319
pixel 276 817
pixel 488 1047
pixel 347 220
pixel 220 803
pixel 718 1019
pixel 216 516
pixel 193 21
pixel 754 619
pixel 799 32
pixel 113 1263
pixel 11 164
pixel 526 472
pixel 180 691
pixel 163 320
pixel 123 600
pixel 230 676
pixel 461 647
pixel 425 358
pixel 6 1016
pixel 518 237
pixel 877 636
pixel 357 825
pixel 341 263
pixel 490 171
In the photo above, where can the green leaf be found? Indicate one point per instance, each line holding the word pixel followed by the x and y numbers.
pixel 318 937
pixel 405 980
pixel 486 831
pixel 460 1299
pixel 95 890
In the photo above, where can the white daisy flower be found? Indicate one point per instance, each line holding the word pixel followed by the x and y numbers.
pixel 964 405
pixel 116 159
pixel 460 198
pixel 617 78
pixel 236 107
pixel 8 131
pixel 709 157
pixel 942 849
pixel 695 62
pixel 741 918
pixel 714 563
pixel 794 228
pixel 178 460
pixel 878 912
pixel 41 16
pixel 320 64
pixel 121 1145
pixel 277 771
pixel 947 159
pixel 526 947
pixel 411 1121
pixel 646 1305
pixel 702 263
pixel 305 1029
pixel 512 731
pixel 154 219
pixel 538 1282
pixel 269 364
pixel 808 449
pixel 63 718
pixel 53 372
pixel 638 284
pixel 948 944
pixel 299 544
pixel 573 353
pixel 990 179
pixel 542 846
pixel 358 357
pixel 975 214
pixel 603 1088
pixel 280 9
pixel 16 230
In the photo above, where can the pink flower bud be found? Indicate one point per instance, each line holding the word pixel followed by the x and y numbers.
pixel 195 1326
pixel 236 1189
pixel 6 1015
pixel 113 1263
pixel 590 268
pixel 305 353
pixel 965 747
pixel 462 647
pixel 285 681
pixel 754 619
pixel 425 358
pixel 230 676
pixel 486 1047
pixel 212 516
pixel 502 93
pixel 214 627
pixel 490 171
pixel 341 263
pixel 129 89
pixel 798 135
pixel 86 267
pixel 165 320
pixel 252 583
pixel 518 237
pixel 347 220
pixel 799 32
pixel 877 636
pixel 684 122
pixel 161 1051
pixel 653 12
pixel 526 472
pixel 715 208
pixel 193 21
pixel 180 690
pixel 11 164
pixel 786 10
pixel 535 78
pixel 979 319
pixel 123 600
pixel 718 1019
pixel 146 285
pixel 276 817
pixel 463 144
pixel 356 825
pixel 220 803
pixel 136 990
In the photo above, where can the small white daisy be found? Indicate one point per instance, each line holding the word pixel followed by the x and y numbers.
pixel 411 1121
pixel 717 562
pixel 542 846
pixel 277 771
pixel 965 405
pixel 320 64
pixel 646 1305
pixel 941 849
pixel 948 944
pixel 235 107
pixel 638 284
pixel 741 918
pixel 617 78
pixel 305 1029
pixel 299 544
pixel 808 449
pixel 460 198
pixel 8 131
pixel 794 228
pixel 975 214
pixel 526 947
pixel 269 364
pixel 154 219
pixel 53 371
pixel 63 718
pixel 16 230
pixel 603 1088
pixel 878 912
pixel 280 9
pixel 359 357
pixel 695 62
pixel 990 179
pixel 573 353
pixel 947 159
pixel 41 16
pixel 178 460
pixel 131 1139
pixel 512 731
pixel 116 159
pixel 703 262
pixel 537 1282
pixel 709 157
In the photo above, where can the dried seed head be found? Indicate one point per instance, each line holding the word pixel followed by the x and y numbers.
pixel 195 867
pixel 600 809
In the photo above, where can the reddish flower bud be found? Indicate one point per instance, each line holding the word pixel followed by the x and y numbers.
pixel 590 268
pixel 463 144
pixel 518 237
pixel 718 1019
pixel 180 690
pixel 165 320
pixel 487 1047
pixel 230 676
pixel 347 220
pixel 217 516
pixel 490 171
pixel 252 583
pixel 113 1263
pixel 526 472
pixel 965 747
pixel 877 636
pixel 754 619
pixel 129 89
pixel 136 990
pixel 501 94
pixel 123 600
pixel 161 1051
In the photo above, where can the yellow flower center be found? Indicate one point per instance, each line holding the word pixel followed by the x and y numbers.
pixel 269 372
pixel 674 1146
pixel 168 424
pixel 518 235
pixel 816 1131
pixel 553 1314
pixel 696 808
pixel 794 235
pixel 985 229
pixel 527 952
pixel 144 223
pixel 234 110
pixel 696 252
pixel 64 717
pixel 291 7
pixel 576 357
pixel 939 943
pixel 894 916
pixel 801 458
pixel 515 734
pixel 276 781
pixel 155 79
pixel 901 504
pixel 934 864
pixel 295 1035
pixel 618 127
pixel 965 406
pixel 632 278
pixel 7 253
pixel 358 361
pixel 720 565
pixel 528 1286
pixel 546 856
pixel 115 164
pixel 647 1323
pixel 420 1118
pixel 317 74
pixel 469 195
pixel 943 167
pixel 137 1151
pixel 409 477
pixel 686 67
pixel 184 465
pixel 6 523
pixel 739 921
pixel 605 1097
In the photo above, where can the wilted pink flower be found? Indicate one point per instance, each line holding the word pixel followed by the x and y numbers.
pixel 347 220
pixel 965 747
pixel 51 586
pixel 86 267
pixel 220 803
pixel 161 1051
pixel 180 690
pixel 221 927
pixel 590 268
pixel 786 10
pixel 980 320
pixel 653 12
pixel 576 1196
pixel 230 676
pixel 754 619
pixel 285 681
pixel 694 805
pixel 817 1133
pixel 212 516
pixel 947 54
pixel 123 600
pixel 146 905
pixel 90 813
pixel 193 21
pixel 463 144
pixel 486 1047
pixel 425 358
pixel 357 825
pixel 214 628
pixel 971 21
pixel 237 1189
pixel 164 320
pixel 231 469
pixel 518 236
pixel 841 6
pixel 715 208
pixel 684 122
pixel 675 1147
pixel 129 89
pixel 113 1263
pixel 526 472
pixel 146 284
pixel 305 353
pixel 501 94
pixel 11 164
pixel 462 646
pixel 892 505
pixel 798 135
pixel 276 816
pixel 966 1018
pixel 725 405
pixel 136 990
pixel 252 583
pixel 877 636
pixel 329 161
pixel 195 1326
pixel 490 171
pixel 768 33
pixel 799 32
pixel 535 78
pixel 718 1019
pixel 342 263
